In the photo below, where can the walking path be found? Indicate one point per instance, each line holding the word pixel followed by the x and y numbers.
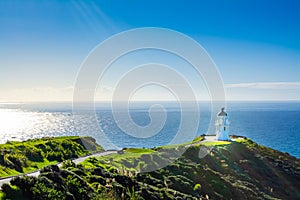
pixel 209 138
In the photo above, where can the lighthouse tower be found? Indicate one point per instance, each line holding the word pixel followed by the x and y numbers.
pixel 222 126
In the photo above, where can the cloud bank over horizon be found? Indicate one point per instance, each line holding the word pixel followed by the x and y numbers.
pixel 277 91
pixel 267 85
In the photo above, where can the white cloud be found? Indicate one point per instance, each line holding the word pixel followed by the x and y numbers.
pixel 267 85
pixel 263 91
pixel 48 94
pixel 238 91
pixel 37 94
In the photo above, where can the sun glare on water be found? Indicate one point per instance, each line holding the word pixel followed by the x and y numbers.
pixel 18 124
pixel 11 119
pixel 12 122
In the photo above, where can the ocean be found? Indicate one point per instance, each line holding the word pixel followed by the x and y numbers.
pixel 272 124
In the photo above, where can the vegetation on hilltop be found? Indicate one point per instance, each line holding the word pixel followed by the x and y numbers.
pixel 232 170
pixel 20 157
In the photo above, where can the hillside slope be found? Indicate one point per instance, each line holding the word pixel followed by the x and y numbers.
pixel 232 170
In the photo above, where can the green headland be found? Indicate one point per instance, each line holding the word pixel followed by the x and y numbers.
pixel 239 169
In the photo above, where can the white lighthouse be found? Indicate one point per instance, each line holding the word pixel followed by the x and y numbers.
pixel 222 126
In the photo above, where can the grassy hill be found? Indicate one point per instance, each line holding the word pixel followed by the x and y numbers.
pixel 27 156
pixel 240 169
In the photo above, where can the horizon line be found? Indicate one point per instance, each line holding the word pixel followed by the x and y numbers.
pixel 158 100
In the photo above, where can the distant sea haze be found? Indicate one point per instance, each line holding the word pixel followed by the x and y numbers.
pixel 272 124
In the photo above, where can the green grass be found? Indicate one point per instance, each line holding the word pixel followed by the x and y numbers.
pixel 241 140
pixel 4 172
pixel 38 165
pixel 118 160
pixel 198 139
pixel 216 143
pixel 138 150
pixel 1 195
pixel 128 154
pixel 131 157
pixel 33 142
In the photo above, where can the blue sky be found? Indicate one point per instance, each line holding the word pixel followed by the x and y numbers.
pixel 255 44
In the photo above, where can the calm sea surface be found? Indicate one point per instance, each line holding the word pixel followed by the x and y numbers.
pixel 273 124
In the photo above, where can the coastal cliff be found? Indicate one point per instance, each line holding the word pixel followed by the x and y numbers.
pixel 239 169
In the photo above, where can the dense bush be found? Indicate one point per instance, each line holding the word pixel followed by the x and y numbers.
pixel 34 154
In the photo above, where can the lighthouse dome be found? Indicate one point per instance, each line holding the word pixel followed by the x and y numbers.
pixel 222 112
